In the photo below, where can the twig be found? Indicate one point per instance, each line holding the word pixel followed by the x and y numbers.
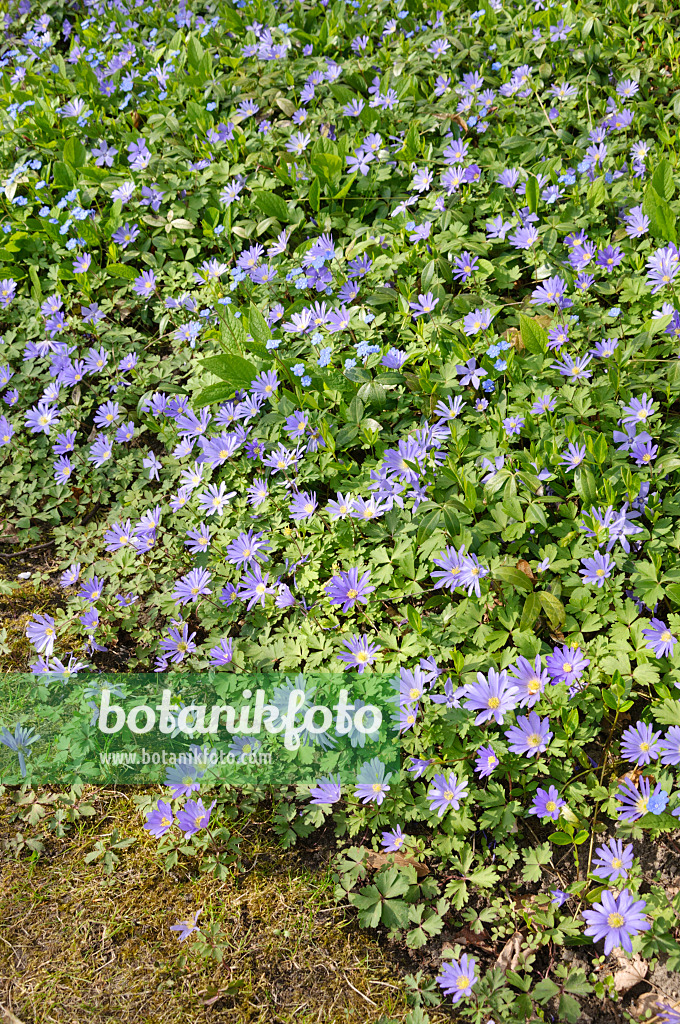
pixel 26 551
pixel 358 992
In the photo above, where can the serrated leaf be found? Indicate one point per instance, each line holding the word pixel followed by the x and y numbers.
pixel 667 712
pixel 484 877
pixel 545 990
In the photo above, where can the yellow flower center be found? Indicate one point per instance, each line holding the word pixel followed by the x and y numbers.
pixel 534 740
pixel 463 981
pixel 377 787
pixel 352 593
pixel 567 667
pixel 534 685
pixel 616 863
pixel 551 806
pixel 615 920
pixel 494 702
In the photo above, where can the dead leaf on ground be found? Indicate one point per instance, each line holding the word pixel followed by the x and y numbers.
pixel 509 955
pixel 628 973
pixel 514 338
pixel 378 860
pixel 466 937
pixel 8 1017
pixel 649 1002
pixel 524 567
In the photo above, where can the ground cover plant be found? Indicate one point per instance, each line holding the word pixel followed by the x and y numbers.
pixel 343 338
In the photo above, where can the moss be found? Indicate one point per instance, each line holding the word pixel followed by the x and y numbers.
pixel 81 945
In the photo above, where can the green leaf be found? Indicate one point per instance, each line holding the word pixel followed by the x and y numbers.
pixel 534 337
pixel 328 166
pixel 577 984
pixel 235 370
pixel 597 193
pixel 660 214
pixel 272 205
pixel 315 194
pixel 532 193
pixel 194 53
pixel 560 838
pixel 342 93
pixel 535 514
pixel 662 180
pixel 346 435
pixel 545 990
pixel 531 611
pixel 518 579
pixel 450 521
pixel 428 275
pixel 122 270
pixel 414 618
pixel 391 882
pixel 428 525
pixel 585 485
pixel 35 278
pixel 373 393
pixel 395 914
pixel 231 20
pixel 345 188
pixel 411 144
pixel 485 878
pixel 214 393
pixel 553 608
pixel 74 153
pixel 258 326
pixel 667 712
pixel 63 175
pixel 518 981
pixel 359 375
pixel 569 1009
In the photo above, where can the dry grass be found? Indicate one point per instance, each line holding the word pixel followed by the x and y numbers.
pixel 80 947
